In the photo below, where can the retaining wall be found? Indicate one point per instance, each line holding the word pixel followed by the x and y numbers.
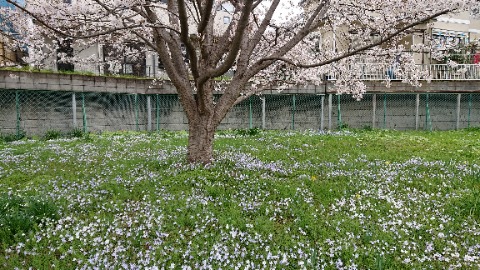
pixel 36 103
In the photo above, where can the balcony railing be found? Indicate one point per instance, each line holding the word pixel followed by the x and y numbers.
pixel 366 72
pixel 376 72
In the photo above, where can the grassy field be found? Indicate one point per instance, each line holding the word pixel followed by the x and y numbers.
pixel 281 200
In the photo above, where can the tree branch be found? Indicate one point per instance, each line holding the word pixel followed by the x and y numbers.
pixel 182 13
pixel 258 35
pixel 205 14
pixel 65 34
pixel 364 48
pixel 232 55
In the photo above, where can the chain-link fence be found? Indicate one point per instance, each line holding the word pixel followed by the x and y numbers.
pixel 36 112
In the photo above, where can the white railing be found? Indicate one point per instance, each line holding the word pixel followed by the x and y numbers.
pixel 446 72
pixel 438 72
pixel 364 71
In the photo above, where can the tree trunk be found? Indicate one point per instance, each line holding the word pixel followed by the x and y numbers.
pixel 200 140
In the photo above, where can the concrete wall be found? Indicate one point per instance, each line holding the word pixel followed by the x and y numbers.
pixel 108 104
pixel 35 81
pixel 63 111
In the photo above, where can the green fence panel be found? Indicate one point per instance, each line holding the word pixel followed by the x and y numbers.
pixel 278 113
pixel 114 112
pixel 470 110
pixel 400 111
pixel 8 115
pixel 355 113
pixel 42 111
pixel 307 113
pixel 36 112
pixel 443 111
pixel 169 113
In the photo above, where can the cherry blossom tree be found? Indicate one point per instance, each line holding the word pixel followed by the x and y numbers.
pixel 266 44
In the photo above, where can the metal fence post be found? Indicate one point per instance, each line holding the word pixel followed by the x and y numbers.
pixel 263 112
pixel 293 111
pixel 459 98
pixel 136 111
pixel 469 108
pixel 250 113
pixel 322 117
pixel 385 111
pixel 157 110
pixel 417 111
pixel 84 114
pixel 17 108
pixel 74 110
pixel 374 109
pixel 149 114
pixel 330 108
pixel 339 111
pixel 428 124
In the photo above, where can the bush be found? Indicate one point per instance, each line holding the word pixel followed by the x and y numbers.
pixel 469 205
pixel 76 133
pixel 52 135
pixel 343 126
pixel 248 132
pixel 472 129
pixel 13 136
pixel 20 215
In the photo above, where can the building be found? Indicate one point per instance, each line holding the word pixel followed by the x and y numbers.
pixel 105 58
pixel 457 36
pixel 10 54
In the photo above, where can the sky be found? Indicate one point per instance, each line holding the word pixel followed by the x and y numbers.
pixel 3 3
pixel 287 10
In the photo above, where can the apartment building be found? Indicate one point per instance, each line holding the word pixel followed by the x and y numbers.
pixel 9 55
pixel 457 36
pixel 105 58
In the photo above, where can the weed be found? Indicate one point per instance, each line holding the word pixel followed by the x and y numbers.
pixel 469 204
pixel 473 129
pixel 52 134
pixel 367 128
pixel 11 137
pixel 343 126
pixel 76 133
pixel 248 132
pixel 19 215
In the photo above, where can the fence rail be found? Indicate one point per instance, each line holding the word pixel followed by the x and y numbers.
pixel 36 112
pixel 367 71
pixel 435 72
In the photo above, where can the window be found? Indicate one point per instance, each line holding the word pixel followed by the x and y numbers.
pixel 65 47
pixel 226 20
pixel 226 7
pixel 129 59
pixel 448 38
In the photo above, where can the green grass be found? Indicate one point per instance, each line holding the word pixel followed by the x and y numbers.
pixel 20 215
pixel 369 199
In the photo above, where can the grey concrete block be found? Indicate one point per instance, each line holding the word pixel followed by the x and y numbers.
pixel 54 87
pixel 12 78
pixel 12 85
pixel 89 81
pixel 78 88
pixel 26 80
pixel 110 82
